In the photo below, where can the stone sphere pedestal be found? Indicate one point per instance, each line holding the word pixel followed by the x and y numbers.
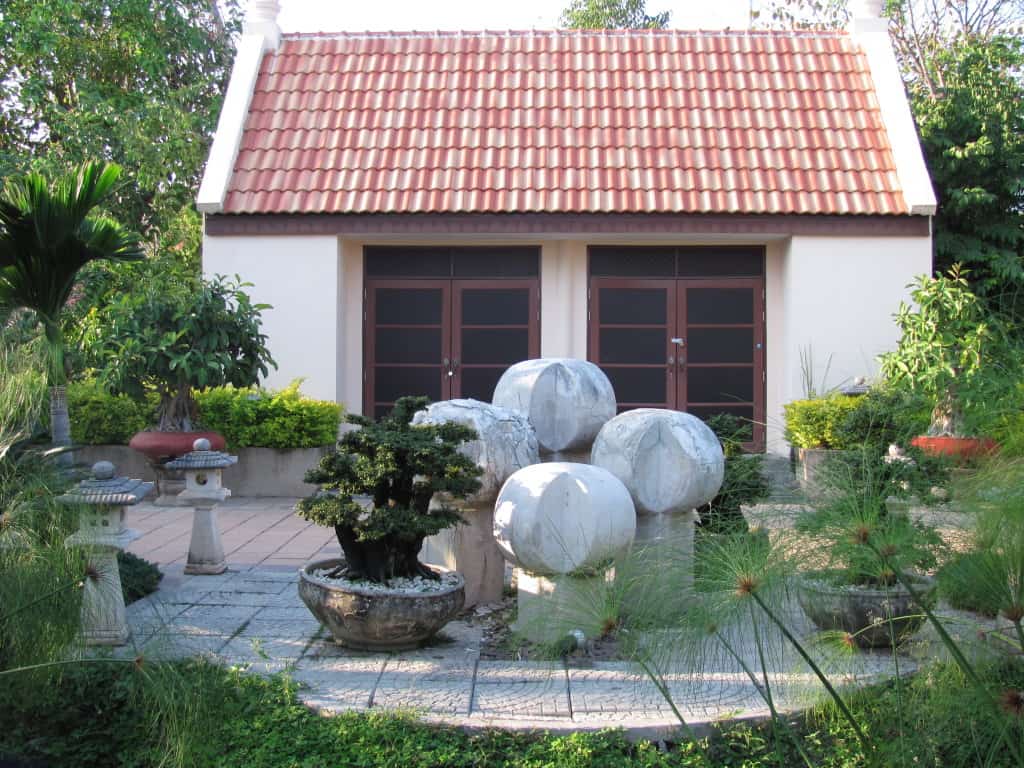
pixel 672 463
pixel 562 525
pixel 505 443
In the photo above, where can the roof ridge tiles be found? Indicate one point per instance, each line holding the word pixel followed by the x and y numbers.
pixel 556 33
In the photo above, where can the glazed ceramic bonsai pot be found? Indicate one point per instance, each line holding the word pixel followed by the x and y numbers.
pixel 864 611
pixel 961 448
pixel 376 619
pixel 159 446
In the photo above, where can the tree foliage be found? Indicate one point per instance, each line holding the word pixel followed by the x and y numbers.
pixel 48 232
pixel 612 14
pixel 136 81
pixel 400 467
pixel 972 133
pixel 176 338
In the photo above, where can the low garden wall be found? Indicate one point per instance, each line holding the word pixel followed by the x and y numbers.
pixel 259 472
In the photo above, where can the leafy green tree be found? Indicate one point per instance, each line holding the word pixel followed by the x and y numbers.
pixel 176 338
pixel 48 232
pixel 136 81
pixel 612 14
pixel 972 132
pixel 400 467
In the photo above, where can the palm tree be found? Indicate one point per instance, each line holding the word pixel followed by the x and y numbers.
pixel 48 232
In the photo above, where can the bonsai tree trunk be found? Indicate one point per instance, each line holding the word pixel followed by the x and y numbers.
pixel 381 560
pixel 947 417
pixel 177 410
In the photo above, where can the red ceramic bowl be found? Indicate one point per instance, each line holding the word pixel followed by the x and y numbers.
pixel 956 447
pixel 163 446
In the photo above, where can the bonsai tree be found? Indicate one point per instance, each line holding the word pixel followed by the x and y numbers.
pixel 48 232
pixel 400 467
pixel 176 338
pixel 952 350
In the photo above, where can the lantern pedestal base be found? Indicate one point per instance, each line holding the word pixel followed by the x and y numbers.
pixel 103 610
pixel 205 550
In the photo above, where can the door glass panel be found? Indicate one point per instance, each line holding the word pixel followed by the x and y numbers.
pixel 496 262
pixel 408 306
pixel 744 412
pixel 633 306
pixel 720 345
pixel 391 383
pixel 720 305
pixel 638 385
pixel 720 385
pixel 508 306
pixel 633 345
pixel 495 345
pixel 408 345
pixel 408 262
pixel 615 261
pixel 479 383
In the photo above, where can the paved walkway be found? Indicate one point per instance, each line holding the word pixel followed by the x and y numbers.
pixel 255 531
pixel 252 616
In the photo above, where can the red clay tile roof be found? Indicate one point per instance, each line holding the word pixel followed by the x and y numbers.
pixel 630 122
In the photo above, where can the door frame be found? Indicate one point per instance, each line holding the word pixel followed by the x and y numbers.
pixel 758 441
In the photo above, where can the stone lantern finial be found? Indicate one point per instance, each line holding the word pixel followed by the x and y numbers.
pixel 261 19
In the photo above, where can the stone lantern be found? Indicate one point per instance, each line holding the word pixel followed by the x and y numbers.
pixel 101 533
pixel 204 490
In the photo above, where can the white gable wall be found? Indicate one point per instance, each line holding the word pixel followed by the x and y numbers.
pixel 835 297
pixel 302 278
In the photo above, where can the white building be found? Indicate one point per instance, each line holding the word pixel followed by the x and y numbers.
pixel 690 210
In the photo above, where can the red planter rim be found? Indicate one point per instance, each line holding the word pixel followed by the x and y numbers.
pixel 163 446
pixel 956 447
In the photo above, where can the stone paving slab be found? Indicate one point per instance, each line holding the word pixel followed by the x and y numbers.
pixel 433 686
pixel 521 689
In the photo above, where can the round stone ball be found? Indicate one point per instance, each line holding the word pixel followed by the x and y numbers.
pixel 670 461
pixel 566 400
pixel 560 518
pixel 505 440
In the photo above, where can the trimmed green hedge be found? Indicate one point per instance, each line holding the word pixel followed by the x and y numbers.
pixel 818 423
pixel 269 419
pixel 260 418
pixel 100 418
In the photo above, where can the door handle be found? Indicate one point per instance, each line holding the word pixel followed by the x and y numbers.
pixel 447 365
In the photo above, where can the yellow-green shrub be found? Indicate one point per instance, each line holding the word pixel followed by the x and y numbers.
pixel 100 418
pixel 818 423
pixel 268 419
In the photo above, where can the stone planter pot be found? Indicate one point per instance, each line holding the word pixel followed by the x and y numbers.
pixel 863 611
pixel 378 621
pixel 161 446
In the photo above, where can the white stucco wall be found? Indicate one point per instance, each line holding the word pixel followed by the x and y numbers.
pixel 835 297
pixel 301 278
pixel 563 299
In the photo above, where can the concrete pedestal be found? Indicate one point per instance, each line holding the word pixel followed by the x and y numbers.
pixel 471 550
pixel 550 607
pixel 103 610
pixel 658 573
pixel 169 485
pixel 205 550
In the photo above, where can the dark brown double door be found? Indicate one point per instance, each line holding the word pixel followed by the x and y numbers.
pixel 445 338
pixel 694 345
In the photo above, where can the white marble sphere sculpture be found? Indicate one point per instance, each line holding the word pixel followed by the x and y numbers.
pixel 505 440
pixel 562 518
pixel 670 461
pixel 565 400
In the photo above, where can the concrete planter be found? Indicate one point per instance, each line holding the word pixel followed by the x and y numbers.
pixel 808 465
pixel 259 472
pixel 371 620
pixel 862 611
